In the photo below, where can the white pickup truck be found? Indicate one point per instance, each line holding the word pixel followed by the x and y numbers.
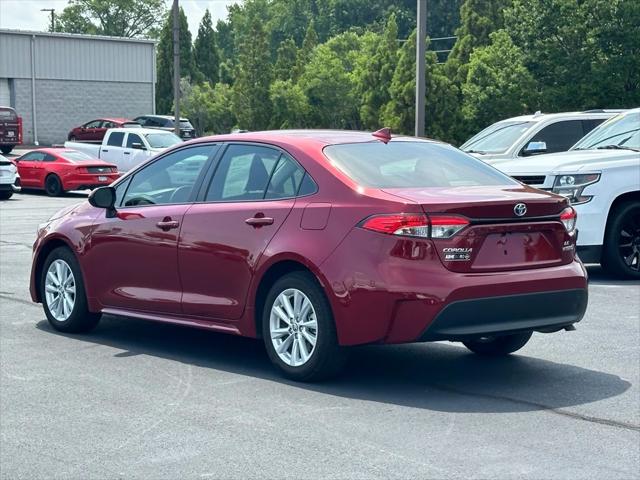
pixel 128 147
pixel 601 176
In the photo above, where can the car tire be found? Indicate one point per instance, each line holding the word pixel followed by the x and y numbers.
pixel 621 251
pixel 6 149
pixel 498 345
pixel 311 329
pixel 53 186
pixel 5 195
pixel 70 312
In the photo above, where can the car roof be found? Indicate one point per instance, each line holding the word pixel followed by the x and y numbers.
pixel 141 130
pixel 585 115
pixel 117 120
pixel 165 117
pixel 297 137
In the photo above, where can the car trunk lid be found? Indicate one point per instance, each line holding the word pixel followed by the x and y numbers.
pixel 497 238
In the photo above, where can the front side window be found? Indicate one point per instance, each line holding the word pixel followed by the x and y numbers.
pixel 560 136
pixel 497 138
pixel 115 139
pixel 169 180
pixel 162 139
pixel 412 165
pixel 133 138
pixel 243 173
pixel 33 157
pixel 94 124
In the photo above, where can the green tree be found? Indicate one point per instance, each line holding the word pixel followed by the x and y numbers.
pixel 290 105
pixel 286 60
pixel 117 18
pixel 253 75
pixel 164 86
pixel 304 54
pixel 376 80
pixel 498 84
pixel 399 112
pixel 205 51
pixel 208 108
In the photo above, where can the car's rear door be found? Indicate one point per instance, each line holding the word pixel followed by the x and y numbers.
pixel 112 149
pixel 133 257
pixel 225 233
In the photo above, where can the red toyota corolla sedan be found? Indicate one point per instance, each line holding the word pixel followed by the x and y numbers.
pixel 95 129
pixel 315 241
pixel 57 170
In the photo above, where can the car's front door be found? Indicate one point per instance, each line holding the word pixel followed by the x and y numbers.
pixel 30 168
pixel 224 235
pixel 133 257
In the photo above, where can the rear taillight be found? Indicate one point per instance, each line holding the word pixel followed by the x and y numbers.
pixel 416 225
pixel 569 217
pixel 447 226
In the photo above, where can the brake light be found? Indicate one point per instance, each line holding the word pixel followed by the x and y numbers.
pixel 569 217
pixel 415 225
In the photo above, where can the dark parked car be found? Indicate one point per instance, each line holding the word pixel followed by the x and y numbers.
pixel 315 241
pixel 167 122
pixel 10 129
pixel 95 130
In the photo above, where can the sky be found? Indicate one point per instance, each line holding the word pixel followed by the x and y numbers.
pixel 26 14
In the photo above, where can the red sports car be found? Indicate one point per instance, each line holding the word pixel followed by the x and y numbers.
pixel 57 170
pixel 316 241
pixel 95 129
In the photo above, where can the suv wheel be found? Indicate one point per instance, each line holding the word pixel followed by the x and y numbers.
pixel 621 255
pixel 498 345
pixel 6 195
pixel 298 329
pixel 63 295
pixel 6 149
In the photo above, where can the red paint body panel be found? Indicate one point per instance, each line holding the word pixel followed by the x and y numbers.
pixel 382 288
pixel 95 133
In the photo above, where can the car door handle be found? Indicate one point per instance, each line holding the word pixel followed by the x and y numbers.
pixel 105 151
pixel 127 153
pixel 259 221
pixel 167 224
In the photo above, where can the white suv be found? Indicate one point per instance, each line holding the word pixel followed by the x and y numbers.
pixel 601 177
pixel 528 135
pixel 9 178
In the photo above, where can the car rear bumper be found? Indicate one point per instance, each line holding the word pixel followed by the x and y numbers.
pixel 544 311
pixel 14 186
pixel 89 180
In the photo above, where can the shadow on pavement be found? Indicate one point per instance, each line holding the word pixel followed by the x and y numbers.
pixel 439 377
pixel 598 276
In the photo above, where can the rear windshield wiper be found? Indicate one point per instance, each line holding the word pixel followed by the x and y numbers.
pixel 617 147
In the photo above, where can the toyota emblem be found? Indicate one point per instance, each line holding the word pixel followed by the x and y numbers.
pixel 520 209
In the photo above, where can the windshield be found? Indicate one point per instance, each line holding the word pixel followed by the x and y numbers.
pixel 496 138
pixel 162 140
pixel 412 165
pixel 76 156
pixel 621 131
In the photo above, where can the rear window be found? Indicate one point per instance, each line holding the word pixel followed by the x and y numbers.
pixel 412 165
pixel 76 156
pixel 185 124
pixel 7 113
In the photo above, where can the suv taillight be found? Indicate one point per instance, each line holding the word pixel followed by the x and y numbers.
pixel 569 217
pixel 416 225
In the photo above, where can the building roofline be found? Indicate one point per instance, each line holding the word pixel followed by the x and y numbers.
pixel 78 35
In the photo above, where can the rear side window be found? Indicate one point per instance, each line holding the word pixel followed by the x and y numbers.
pixel 412 165
pixel 286 179
pixel 243 173
pixel 560 136
pixel 115 139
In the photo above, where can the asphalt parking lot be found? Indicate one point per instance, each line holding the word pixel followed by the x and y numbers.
pixel 140 400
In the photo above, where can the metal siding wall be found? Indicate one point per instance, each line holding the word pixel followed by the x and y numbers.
pixel 15 52
pixel 68 58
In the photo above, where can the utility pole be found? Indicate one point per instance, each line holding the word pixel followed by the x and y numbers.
pixel 421 46
pixel 176 67
pixel 53 17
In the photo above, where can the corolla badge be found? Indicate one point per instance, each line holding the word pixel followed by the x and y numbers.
pixel 520 209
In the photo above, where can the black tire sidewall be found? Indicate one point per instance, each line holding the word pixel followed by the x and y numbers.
pixel 80 319
pixel 326 351
pixel 5 195
pixel 611 258
pixel 50 179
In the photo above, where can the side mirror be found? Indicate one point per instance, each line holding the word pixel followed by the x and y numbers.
pixel 104 197
pixel 138 146
pixel 535 148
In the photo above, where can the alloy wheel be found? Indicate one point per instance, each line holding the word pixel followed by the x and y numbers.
pixel 629 240
pixel 60 290
pixel 293 327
